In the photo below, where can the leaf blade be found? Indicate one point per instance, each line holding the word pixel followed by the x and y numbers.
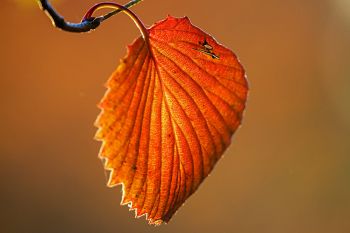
pixel 168 115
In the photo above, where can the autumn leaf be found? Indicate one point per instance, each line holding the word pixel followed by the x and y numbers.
pixel 169 113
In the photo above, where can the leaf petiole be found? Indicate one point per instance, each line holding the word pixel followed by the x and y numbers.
pixel 112 5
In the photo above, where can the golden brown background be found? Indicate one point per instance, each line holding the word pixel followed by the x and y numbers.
pixel 287 170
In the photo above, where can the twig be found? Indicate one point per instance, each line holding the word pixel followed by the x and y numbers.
pixel 84 26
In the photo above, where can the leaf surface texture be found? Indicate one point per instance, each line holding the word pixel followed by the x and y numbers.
pixel 169 113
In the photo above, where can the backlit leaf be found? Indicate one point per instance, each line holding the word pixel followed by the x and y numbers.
pixel 168 115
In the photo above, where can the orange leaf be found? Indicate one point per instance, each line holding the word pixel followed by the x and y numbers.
pixel 169 113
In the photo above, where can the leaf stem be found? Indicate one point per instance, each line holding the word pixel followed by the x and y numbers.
pixel 112 5
pixel 84 26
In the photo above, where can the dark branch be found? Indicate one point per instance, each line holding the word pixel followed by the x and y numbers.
pixel 84 26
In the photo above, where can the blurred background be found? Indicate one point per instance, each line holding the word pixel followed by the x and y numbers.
pixel 287 170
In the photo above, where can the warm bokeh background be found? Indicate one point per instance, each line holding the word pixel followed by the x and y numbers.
pixel 287 170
